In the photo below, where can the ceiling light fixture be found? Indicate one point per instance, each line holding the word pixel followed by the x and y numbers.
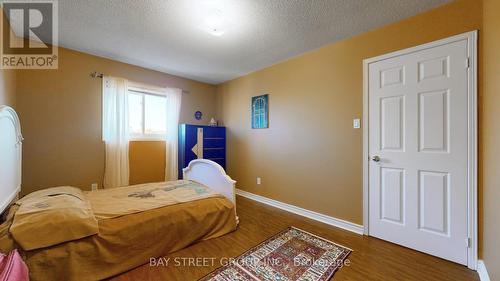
pixel 214 23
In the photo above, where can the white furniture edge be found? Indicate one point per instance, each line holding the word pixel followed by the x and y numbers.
pixel 11 184
pixel 211 174
pixel 471 37
pixel 481 270
pixel 346 225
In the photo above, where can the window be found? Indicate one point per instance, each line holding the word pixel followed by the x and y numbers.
pixel 147 115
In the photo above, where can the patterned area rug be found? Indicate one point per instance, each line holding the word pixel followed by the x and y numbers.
pixel 291 255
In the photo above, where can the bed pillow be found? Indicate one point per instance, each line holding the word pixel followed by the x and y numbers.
pixel 52 216
pixel 13 268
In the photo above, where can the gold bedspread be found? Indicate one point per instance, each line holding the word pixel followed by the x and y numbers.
pixel 128 241
pixel 115 202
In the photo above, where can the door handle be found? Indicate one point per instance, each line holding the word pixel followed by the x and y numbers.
pixel 376 158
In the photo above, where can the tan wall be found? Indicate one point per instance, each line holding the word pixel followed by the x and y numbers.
pixel 311 156
pixel 60 111
pixel 8 87
pixel 7 80
pixel 491 137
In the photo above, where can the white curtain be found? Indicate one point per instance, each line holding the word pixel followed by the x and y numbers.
pixel 174 97
pixel 115 131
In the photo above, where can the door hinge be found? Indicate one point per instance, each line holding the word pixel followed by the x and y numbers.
pixel 467 63
pixel 467 242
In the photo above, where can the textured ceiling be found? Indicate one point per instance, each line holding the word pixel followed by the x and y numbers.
pixel 165 35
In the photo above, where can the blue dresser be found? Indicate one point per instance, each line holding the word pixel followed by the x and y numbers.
pixel 204 142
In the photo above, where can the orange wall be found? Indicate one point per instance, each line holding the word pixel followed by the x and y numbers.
pixel 490 138
pixel 147 161
pixel 60 111
pixel 311 156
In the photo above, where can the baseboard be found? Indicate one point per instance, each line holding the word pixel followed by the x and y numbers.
pixel 356 228
pixel 481 270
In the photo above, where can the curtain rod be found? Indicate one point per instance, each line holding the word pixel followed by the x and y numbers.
pixel 96 74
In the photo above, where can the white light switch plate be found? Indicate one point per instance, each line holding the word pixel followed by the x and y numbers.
pixel 258 181
pixel 356 123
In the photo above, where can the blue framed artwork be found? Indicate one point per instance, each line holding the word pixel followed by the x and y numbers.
pixel 260 112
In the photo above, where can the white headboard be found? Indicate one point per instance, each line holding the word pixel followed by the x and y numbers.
pixel 10 156
pixel 212 175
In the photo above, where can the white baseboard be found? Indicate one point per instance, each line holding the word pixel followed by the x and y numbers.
pixel 356 228
pixel 481 270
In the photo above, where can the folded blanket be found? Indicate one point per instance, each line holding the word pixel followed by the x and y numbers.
pixel 52 216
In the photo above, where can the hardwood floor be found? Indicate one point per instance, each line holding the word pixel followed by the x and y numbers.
pixel 372 259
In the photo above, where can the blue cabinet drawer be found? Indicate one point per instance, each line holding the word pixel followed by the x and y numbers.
pixel 214 153
pixel 209 143
pixel 214 132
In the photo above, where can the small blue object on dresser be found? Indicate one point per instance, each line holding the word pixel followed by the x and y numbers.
pixel 201 142
pixel 198 115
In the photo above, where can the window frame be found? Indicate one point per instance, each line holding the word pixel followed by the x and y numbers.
pixel 143 136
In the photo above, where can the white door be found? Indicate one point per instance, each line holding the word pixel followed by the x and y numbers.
pixel 418 144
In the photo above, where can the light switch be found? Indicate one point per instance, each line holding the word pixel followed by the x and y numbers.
pixel 356 123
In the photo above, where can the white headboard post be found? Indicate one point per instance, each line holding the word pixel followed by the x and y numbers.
pixel 10 156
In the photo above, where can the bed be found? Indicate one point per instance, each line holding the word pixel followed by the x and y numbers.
pixel 126 234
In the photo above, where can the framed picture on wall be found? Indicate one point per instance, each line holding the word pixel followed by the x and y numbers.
pixel 260 112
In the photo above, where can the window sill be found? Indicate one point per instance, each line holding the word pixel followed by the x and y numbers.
pixel 147 139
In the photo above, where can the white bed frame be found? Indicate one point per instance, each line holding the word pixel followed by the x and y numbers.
pixel 10 156
pixel 212 175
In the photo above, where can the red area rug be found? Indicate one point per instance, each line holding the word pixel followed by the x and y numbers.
pixel 291 255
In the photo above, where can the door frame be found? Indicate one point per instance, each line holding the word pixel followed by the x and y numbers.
pixel 472 212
